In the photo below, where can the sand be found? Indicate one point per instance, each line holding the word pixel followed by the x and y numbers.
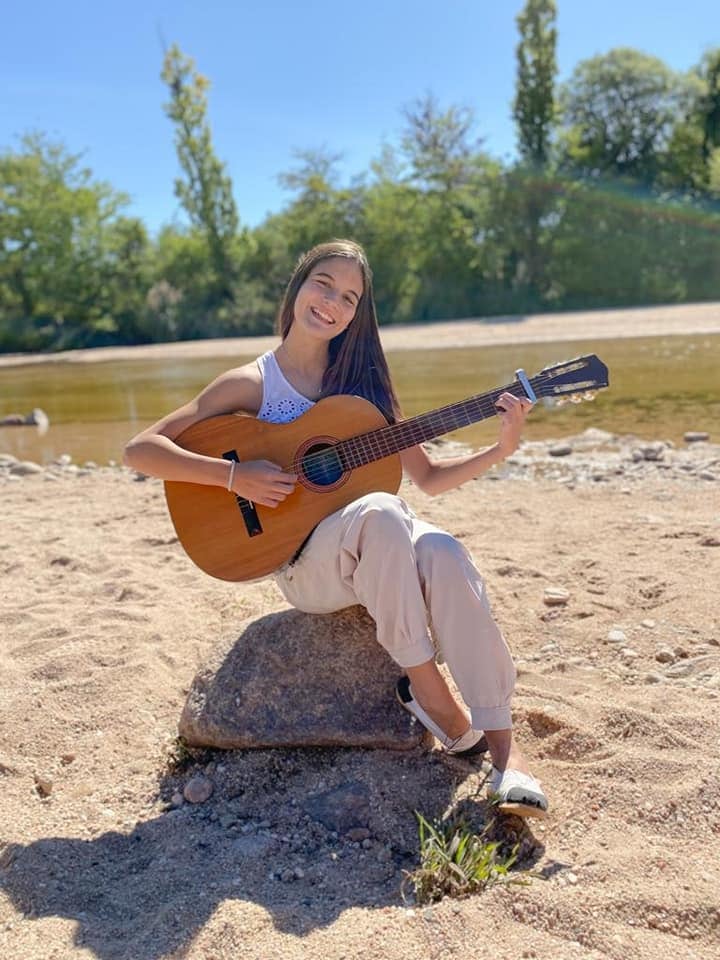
pixel 686 319
pixel 105 620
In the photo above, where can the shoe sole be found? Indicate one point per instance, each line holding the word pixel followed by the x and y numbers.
pixel 521 810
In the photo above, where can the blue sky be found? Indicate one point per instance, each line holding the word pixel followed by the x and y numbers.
pixel 289 75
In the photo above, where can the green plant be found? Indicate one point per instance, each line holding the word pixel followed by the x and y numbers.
pixel 456 862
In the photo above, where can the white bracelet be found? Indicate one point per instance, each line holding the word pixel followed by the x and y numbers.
pixel 232 474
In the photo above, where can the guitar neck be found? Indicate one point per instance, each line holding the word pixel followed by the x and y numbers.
pixel 376 444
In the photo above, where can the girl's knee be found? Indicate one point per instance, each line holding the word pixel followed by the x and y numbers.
pixel 382 508
pixel 437 546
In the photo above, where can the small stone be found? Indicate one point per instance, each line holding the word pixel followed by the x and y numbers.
pixel 555 596
pixel 616 636
pixel 299 873
pixel 710 541
pixel 648 624
pixel 176 800
pixel 682 669
pixel 43 786
pixel 653 451
pixel 628 653
pixel 24 468
pixel 198 789
pixel 665 655
pixel 358 834
pixel 695 436
pixel 571 878
pixel 67 758
pixel 653 678
pixel 560 450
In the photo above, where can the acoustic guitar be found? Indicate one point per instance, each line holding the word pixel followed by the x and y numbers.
pixel 341 449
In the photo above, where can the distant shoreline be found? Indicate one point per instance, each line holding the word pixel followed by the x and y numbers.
pixel 674 320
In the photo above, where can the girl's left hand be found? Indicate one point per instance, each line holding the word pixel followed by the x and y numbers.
pixel 513 411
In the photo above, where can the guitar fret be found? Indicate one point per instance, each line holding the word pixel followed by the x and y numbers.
pixel 366 448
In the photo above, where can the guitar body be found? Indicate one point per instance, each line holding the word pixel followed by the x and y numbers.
pixel 230 538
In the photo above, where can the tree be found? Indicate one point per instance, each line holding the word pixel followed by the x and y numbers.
pixel 206 192
pixel 620 110
pixel 445 174
pixel 528 197
pixel 58 229
pixel 709 105
pixel 534 104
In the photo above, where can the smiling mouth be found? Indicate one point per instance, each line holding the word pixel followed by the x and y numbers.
pixel 326 318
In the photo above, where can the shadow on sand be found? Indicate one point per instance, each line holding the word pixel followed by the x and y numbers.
pixel 148 893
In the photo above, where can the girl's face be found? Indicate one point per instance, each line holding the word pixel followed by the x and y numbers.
pixel 327 300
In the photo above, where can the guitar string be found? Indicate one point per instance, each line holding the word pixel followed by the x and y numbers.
pixel 381 442
pixel 377 444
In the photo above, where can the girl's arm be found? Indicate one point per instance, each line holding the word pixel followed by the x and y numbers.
pixel 154 451
pixel 437 476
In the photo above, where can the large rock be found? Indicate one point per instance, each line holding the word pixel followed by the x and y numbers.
pixel 294 679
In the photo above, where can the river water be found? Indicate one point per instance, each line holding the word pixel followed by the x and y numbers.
pixel 661 387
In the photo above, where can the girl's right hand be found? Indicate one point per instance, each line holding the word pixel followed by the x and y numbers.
pixel 262 482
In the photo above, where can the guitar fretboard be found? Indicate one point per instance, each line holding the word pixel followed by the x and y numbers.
pixel 376 444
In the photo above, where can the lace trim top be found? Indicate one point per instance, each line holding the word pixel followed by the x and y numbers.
pixel 281 402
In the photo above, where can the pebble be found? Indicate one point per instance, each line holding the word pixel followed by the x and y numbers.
pixel 596 456
pixel 43 786
pixel 198 789
pixel 555 596
pixel 616 636
pixel 24 468
pixel 665 655
pixel 628 653
pixel 648 624
pixel 682 669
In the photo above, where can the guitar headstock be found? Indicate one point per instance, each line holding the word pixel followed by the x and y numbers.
pixel 572 381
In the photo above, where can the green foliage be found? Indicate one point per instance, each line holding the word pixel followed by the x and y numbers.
pixel 456 862
pixel 66 253
pixel 619 111
pixel 534 106
pixel 206 190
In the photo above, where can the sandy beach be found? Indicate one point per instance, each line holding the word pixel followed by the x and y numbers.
pixel 105 622
pixel 687 319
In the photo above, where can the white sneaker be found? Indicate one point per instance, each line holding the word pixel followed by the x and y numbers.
pixel 517 793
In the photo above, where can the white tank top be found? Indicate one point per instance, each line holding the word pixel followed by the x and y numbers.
pixel 281 402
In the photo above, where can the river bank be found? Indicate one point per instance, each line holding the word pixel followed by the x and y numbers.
pixel 671 320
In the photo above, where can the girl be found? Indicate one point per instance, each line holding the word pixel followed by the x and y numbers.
pixel 374 551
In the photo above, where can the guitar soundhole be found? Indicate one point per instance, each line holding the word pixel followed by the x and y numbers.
pixel 321 465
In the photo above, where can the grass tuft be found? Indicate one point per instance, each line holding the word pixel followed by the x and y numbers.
pixel 455 862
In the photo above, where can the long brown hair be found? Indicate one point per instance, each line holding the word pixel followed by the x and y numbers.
pixel 356 362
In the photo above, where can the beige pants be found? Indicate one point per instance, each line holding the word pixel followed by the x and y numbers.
pixel 410 576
